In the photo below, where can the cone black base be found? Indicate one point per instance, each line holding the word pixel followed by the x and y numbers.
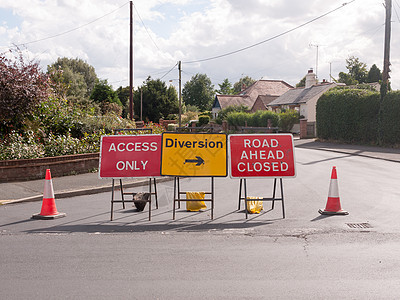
pixel 40 217
pixel 332 213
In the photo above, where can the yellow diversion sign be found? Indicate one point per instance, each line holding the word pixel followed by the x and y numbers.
pixel 194 154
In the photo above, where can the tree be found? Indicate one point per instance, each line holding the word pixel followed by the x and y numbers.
pixel 374 74
pixel 242 84
pixel 104 94
pixel 79 76
pixel 347 79
pixel 199 91
pixel 158 100
pixel 123 96
pixel 225 88
pixel 357 72
pixel 22 86
pixel 357 69
pixel 302 82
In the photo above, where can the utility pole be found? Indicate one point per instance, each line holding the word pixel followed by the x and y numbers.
pixel 180 93
pixel 141 104
pixel 316 60
pixel 386 64
pixel 386 56
pixel 131 62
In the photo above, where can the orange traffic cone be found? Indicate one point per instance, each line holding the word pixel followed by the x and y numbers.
pixel 49 210
pixel 333 205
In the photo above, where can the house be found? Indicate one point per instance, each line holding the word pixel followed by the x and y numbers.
pixel 303 99
pixel 247 97
pixel 262 102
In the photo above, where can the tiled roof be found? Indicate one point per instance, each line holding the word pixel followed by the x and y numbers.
pixel 233 100
pixel 301 95
pixel 248 96
pixel 266 87
pixel 266 99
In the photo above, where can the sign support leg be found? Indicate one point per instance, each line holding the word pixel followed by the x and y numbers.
pixel 212 198
pixel 283 205
pixel 243 188
pixel 122 193
pixel 177 197
pixel 112 200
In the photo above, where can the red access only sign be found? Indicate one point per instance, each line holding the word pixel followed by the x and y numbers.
pixel 124 156
pixel 262 155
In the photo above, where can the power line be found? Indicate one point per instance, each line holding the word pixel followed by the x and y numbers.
pixel 71 30
pixel 169 71
pixel 269 39
pixel 395 10
pixel 145 27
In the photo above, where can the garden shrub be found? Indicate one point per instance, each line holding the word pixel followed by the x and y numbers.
pixel 287 119
pixel 21 146
pixel 349 115
pixel 203 120
pixel 56 145
pixel 257 119
pixel 390 125
pixel 223 113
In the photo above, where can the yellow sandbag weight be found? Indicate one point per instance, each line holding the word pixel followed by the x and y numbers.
pixel 195 205
pixel 254 207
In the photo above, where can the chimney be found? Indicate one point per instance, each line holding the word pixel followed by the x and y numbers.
pixel 311 78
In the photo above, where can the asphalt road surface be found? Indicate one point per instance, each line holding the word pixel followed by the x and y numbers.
pixel 304 256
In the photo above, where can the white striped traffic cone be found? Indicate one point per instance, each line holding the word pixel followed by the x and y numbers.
pixel 333 206
pixel 49 210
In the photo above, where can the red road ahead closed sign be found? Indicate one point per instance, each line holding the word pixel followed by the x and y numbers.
pixel 262 155
pixel 124 156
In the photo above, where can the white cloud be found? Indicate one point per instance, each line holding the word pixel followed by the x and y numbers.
pixel 189 30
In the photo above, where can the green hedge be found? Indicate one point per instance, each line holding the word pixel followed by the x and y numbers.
pixel 351 115
pixel 391 118
pixel 257 119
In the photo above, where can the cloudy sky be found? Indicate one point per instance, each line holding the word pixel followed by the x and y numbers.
pixel 195 31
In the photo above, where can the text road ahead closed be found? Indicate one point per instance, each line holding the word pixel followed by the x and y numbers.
pixel 262 155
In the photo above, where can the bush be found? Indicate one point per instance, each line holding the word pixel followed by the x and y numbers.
pixel 156 128
pixel 56 145
pixel 222 115
pixel 237 118
pixel 288 119
pixel 349 115
pixel 189 116
pixel 257 119
pixel 18 146
pixel 390 126
pixel 23 86
pixel 90 143
pixel 203 120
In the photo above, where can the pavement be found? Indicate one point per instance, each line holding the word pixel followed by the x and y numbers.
pixel 90 183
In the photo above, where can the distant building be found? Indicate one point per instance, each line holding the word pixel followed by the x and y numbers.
pixel 268 89
pixel 304 99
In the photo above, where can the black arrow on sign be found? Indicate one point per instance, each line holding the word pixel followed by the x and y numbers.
pixel 199 161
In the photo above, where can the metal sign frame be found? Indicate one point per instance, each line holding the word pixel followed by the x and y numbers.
pixel 280 151
pixel 123 200
pixel 243 181
pixel 178 199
